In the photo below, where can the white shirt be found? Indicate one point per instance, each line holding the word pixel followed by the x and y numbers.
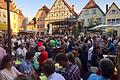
pixel 13 41
pixel 56 76
pixel 90 52
pixel 21 51
pixel 6 74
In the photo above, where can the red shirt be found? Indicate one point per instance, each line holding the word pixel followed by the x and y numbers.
pixel 42 57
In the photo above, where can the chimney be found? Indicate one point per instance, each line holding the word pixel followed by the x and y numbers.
pixel 72 7
pixel 106 8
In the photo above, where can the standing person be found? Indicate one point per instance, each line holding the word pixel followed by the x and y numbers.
pixel 111 48
pixel 71 45
pixel 8 72
pixel 118 72
pixel 105 47
pixel 32 42
pixel 2 50
pixel 21 51
pixel 96 57
pixel 84 56
pixel 49 71
pixel 106 68
pixel 72 71
pixel 118 54
pixel 42 57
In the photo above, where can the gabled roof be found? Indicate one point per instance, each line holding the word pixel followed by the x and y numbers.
pixel 43 8
pixel 111 7
pixel 68 6
pixel 13 8
pixel 92 4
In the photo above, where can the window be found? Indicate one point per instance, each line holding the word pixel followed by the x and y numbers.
pixel 0 13
pixel 41 25
pixel 93 11
pixel 56 14
pixel 113 21
pixel 41 19
pixel 37 26
pixel 42 14
pixel 86 12
pixel 14 25
pixel 113 11
pixel 99 20
pixel 90 21
pixel 82 21
pixel 14 16
pixel 117 21
pixel 4 14
pixel 109 21
pixel 38 19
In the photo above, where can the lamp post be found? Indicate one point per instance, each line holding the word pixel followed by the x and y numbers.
pixel 9 26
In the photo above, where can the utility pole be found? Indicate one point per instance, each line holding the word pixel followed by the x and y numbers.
pixel 9 27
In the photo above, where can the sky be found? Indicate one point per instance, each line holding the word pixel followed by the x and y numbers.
pixel 30 7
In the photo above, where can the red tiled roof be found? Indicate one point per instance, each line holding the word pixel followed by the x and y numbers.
pixel 90 4
pixel 71 10
pixel 45 8
pixel 3 5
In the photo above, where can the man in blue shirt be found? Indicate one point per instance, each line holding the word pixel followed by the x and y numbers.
pixel 106 67
pixel 26 65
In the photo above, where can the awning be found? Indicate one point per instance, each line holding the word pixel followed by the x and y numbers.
pixel 3 26
pixel 99 27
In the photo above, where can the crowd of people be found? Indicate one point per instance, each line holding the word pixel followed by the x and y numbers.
pixel 60 57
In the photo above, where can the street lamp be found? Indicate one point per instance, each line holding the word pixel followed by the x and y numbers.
pixel 9 27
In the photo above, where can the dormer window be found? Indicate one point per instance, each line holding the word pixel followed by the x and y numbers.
pixel 93 11
pixel 0 13
pixel 113 11
pixel 86 12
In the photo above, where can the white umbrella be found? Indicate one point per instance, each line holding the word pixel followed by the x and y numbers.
pixel 99 26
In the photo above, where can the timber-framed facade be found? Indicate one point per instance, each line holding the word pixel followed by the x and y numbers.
pixel 61 18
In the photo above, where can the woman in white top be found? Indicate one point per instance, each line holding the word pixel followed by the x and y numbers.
pixel 8 72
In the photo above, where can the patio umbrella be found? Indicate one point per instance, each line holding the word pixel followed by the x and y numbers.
pixel 99 27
